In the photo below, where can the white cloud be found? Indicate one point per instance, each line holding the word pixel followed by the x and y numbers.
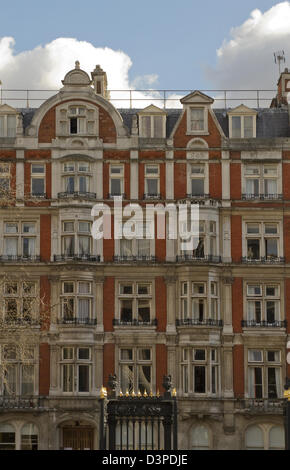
pixel 45 66
pixel 246 60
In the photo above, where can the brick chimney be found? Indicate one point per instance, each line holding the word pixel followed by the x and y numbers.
pixel 283 90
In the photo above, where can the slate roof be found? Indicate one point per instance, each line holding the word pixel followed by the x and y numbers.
pixel 271 122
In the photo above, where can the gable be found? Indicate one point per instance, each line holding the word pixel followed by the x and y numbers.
pixel 196 97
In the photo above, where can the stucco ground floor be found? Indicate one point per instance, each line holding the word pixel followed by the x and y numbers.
pixel 216 425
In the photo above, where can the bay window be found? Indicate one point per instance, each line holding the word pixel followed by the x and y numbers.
pixel 199 303
pixel 76 302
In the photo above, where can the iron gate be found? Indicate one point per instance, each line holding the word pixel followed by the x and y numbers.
pixel 140 422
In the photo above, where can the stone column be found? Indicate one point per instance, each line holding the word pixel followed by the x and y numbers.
pixel 99 288
pixel 134 176
pixel 226 306
pixel 171 328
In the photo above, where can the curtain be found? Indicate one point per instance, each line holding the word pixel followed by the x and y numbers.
pixel 251 382
pixel 125 247
pixel 28 246
pixel 83 309
pixel 143 247
pixel 270 186
pixel 11 246
pixel 69 245
pixel 84 245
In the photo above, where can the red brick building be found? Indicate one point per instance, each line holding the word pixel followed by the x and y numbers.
pixel 215 318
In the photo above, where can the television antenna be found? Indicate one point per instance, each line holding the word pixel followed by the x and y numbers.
pixel 279 57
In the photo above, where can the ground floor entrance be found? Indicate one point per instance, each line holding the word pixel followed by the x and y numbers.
pixel 78 438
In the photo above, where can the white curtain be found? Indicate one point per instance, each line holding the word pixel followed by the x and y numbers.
pixel 84 309
pixel 270 186
pixel 125 247
pixel 84 245
pixel 11 246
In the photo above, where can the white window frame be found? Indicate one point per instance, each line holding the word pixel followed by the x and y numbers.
pixel 188 362
pixel 119 176
pixel 5 126
pixel 260 176
pixel 135 362
pixel 152 133
pixel 38 175
pixel 264 364
pixel 203 131
pixel 242 116
pixel 135 297
pixel 262 236
pixel 75 362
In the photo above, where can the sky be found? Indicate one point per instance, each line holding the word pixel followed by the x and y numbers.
pixel 160 44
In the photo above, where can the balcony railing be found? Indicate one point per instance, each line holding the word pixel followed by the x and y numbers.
pixel 261 197
pixel 195 322
pixel 119 196
pixel 263 405
pixel 76 195
pixel 133 322
pixel 263 259
pixel 198 196
pixel 21 258
pixel 20 402
pixel 151 196
pixel 264 324
pixel 77 321
pixel 137 258
pixel 84 257
pixel 199 259
pixel 12 320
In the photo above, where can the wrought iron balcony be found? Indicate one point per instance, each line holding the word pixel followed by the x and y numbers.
pixel 198 259
pixel 19 258
pixel 111 196
pixel 151 196
pixel 196 322
pixel 264 324
pixel 137 258
pixel 263 260
pixel 75 257
pixel 20 402
pixel 77 321
pixel 134 322
pixel 198 196
pixel 39 195
pixel 76 195
pixel 261 197
pixel 19 320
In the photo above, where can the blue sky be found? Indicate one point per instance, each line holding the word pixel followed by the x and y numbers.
pixel 175 40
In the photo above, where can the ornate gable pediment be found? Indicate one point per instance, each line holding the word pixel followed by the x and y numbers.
pixel 196 97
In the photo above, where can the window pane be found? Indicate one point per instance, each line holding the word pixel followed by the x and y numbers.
pixel 115 187
pixel 27 386
pixel 84 378
pixel 11 246
pixel 236 127
pixel 276 438
pixel 253 249
pixel 84 184
pixel 11 228
pixel 37 186
pixel 197 119
pixel 199 355
pixel 83 353
pixel 67 377
pixel 146 126
pixel 143 311
pixel 200 438
pixel 255 355
pixel 84 226
pixel 152 187
pixel 37 168
pixel 126 289
pixel 197 187
pixel 126 354
pixel 29 437
pixel 11 126
pixel 248 126
pixel 28 247
pixel 199 379
pixel 144 379
pixel 158 126
pixel 28 227
pixel 126 310
pixel 68 226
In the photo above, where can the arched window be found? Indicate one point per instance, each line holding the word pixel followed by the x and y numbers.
pixel 29 437
pixel 7 437
pixel 254 438
pixel 200 438
pixel 276 438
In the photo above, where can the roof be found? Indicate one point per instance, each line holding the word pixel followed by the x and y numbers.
pixel 271 122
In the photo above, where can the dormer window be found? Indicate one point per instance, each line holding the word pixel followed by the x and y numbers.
pixel 242 123
pixel 77 120
pixel 8 126
pixel 152 122
pixel 197 119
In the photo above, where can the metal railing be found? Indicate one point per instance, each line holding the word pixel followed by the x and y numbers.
pixel 261 197
pixel 263 260
pixel 77 321
pixel 20 402
pixel 134 259
pixel 76 194
pixel 12 258
pixel 151 196
pixel 141 98
pixel 75 257
pixel 134 322
pixel 198 259
pixel 196 322
pixel 264 324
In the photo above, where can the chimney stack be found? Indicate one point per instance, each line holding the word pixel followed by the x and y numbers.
pixel 99 78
